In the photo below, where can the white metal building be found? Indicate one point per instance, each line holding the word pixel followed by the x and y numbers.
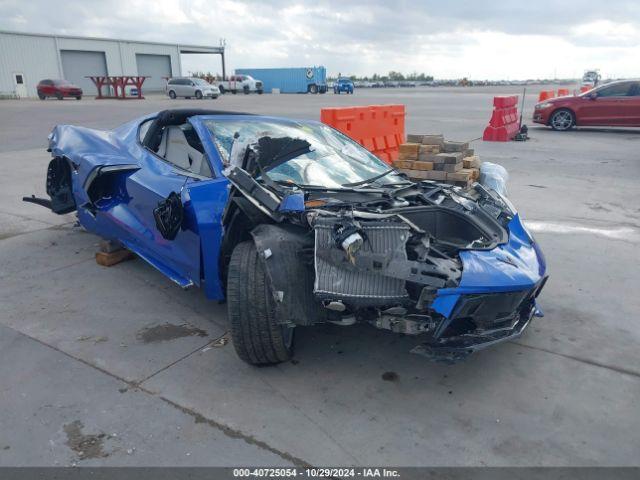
pixel 27 58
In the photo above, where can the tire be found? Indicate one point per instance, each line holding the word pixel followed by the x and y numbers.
pixel 313 88
pixel 213 97
pixel 79 97
pixel 198 94
pixel 42 96
pixel 257 338
pixel 221 89
pixel 260 92
pixel 246 90
pixel 562 120
pixel 59 96
pixel 172 95
pixel 234 91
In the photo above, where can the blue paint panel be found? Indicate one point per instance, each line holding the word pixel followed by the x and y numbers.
pixel 292 203
pixel 445 303
pixel 515 265
pixel 209 199
pixel 288 80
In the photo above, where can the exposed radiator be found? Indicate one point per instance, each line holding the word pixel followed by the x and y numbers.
pixel 339 280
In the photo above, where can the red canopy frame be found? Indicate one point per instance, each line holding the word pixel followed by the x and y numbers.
pixel 119 83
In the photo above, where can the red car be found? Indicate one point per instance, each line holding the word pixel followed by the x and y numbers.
pixel 59 89
pixel 615 104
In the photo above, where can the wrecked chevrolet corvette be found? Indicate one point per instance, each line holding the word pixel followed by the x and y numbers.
pixel 294 224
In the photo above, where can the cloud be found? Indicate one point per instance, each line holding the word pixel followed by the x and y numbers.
pixel 446 39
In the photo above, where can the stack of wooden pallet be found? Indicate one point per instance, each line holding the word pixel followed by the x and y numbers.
pixel 431 157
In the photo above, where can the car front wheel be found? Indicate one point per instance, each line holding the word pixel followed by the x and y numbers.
pixel 257 336
pixel 172 95
pixel 562 119
pixel 199 95
pixel 41 96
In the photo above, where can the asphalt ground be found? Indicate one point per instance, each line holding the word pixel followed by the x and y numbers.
pixel 117 366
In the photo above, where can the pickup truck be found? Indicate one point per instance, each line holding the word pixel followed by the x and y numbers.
pixel 241 83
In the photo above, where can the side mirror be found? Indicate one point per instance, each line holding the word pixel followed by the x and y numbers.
pixel 592 95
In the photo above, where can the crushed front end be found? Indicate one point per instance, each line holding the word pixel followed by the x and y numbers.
pixel 451 272
pixel 455 268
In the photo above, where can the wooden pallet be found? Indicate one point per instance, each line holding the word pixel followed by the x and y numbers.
pixel 111 254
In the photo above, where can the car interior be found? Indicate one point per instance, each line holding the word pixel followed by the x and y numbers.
pixel 171 137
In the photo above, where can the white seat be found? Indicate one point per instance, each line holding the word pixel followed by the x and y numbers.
pixel 175 149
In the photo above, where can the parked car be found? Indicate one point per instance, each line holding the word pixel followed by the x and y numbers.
pixel 343 85
pixel 300 226
pixel 241 83
pixel 58 88
pixel 191 87
pixel 615 104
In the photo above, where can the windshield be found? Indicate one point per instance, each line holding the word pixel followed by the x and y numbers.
pixel 200 81
pixel 61 82
pixel 334 159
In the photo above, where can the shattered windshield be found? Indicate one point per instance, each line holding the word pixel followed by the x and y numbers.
pixel 334 159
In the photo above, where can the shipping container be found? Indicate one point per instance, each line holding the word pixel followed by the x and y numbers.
pixel 289 80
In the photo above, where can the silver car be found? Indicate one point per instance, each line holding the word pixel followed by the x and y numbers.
pixel 191 87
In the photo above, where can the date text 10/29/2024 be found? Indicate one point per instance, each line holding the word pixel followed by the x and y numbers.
pixel 316 472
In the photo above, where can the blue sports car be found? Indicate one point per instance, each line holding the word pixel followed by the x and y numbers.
pixel 294 224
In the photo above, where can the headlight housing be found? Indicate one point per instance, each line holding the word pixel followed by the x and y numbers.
pixel 542 106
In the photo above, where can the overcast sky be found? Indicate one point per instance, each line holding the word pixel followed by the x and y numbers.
pixel 447 39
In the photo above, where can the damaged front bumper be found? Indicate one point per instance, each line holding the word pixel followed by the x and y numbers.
pixel 457 347
pixel 494 302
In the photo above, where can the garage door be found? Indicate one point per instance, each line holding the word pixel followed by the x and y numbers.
pixel 156 67
pixel 77 64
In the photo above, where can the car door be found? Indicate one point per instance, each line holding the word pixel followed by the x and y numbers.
pixel 189 252
pixel 177 257
pixel 634 105
pixel 178 87
pixel 46 87
pixel 164 182
pixel 608 105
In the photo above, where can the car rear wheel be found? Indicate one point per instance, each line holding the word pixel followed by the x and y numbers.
pixel 199 95
pixel 221 89
pixel 41 96
pixel 257 336
pixel 79 97
pixel 562 119
pixel 59 96
pixel 172 95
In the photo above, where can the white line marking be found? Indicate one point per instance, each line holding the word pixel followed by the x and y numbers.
pixel 620 233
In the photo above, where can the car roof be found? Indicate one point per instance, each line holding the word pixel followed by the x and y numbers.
pixel 177 116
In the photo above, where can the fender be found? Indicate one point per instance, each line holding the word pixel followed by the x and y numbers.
pixel 282 248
